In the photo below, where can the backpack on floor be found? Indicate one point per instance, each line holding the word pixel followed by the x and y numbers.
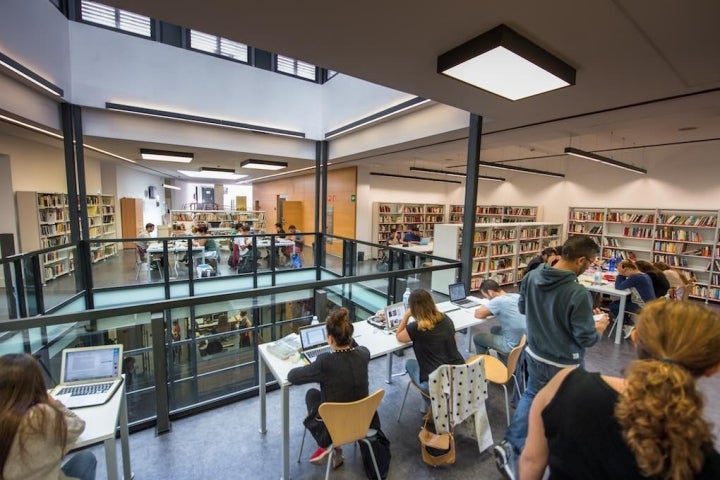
pixel 381 448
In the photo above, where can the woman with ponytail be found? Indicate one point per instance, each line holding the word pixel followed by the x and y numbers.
pixel 647 425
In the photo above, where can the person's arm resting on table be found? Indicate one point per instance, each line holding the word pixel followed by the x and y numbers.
pixel 483 312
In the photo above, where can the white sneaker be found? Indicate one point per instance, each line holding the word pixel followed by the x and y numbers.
pixel 627 331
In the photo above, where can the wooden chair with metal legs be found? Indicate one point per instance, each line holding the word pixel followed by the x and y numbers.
pixel 349 422
pixel 501 374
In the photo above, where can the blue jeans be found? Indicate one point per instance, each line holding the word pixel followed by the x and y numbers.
pixel 539 374
pixel 484 341
pixel 413 368
pixel 82 466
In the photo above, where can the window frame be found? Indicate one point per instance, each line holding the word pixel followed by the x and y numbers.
pixel 153 23
pixel 188 43
pixel 317 78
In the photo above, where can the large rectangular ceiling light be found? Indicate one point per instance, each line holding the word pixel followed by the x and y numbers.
pixel 207 172
pixel 166 156
pixel 263 165
pixel 507 64
pixel 456 174
pixel 576 152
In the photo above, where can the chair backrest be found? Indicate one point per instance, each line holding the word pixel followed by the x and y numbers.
pixel 349 421
pixel 514 356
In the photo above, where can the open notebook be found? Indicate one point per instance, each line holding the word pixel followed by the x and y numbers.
pixel 89 375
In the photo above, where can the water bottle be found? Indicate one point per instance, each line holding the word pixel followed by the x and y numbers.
pixel 406 296
pixel 597 278
pixel 315 320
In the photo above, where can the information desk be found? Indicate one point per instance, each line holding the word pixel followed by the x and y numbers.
pixel 101 422
pixel 608 288
pixel 377 341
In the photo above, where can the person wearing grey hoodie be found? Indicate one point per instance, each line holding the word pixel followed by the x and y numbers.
pixel 560 327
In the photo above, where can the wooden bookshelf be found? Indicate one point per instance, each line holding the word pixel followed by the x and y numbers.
pixel 500 250
pixel 684 239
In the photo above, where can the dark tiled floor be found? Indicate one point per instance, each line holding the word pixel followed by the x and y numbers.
pixel 225 443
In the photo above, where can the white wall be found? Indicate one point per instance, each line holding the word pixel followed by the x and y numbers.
pixel 35 34
pixel 134 184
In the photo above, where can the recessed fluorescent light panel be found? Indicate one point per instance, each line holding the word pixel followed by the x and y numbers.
pixel 171 187
pixel 507 64
pixel 576 152
pixel 166 156
pixel 207 172
pixel 455 174
pixel 263 165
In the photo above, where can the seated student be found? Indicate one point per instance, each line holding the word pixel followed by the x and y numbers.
pixel 297 237
pixel 279 230
pixel 433 337
pixel 342 375
pixel 142 245
pixel 660 283
pixel 413 236
pixel 549 255
pixel 641 290
pixel 394 238
pixel 204 240
pixel 647 425
pixel 35 429
pixel 504 306
pixel 676 278
pixel 243 238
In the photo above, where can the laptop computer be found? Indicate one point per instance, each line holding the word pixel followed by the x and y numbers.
pixel 313 341
pixel 458 296
pixel 425 240
pixel 393 315
pixel 89 375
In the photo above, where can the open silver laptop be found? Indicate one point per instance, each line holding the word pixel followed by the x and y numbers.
pixel 458 296
pixel 425 240
pixel 313 341
pixel 89 375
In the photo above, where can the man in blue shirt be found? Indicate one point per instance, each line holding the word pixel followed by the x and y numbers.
pixel 504 306
pixel 413 237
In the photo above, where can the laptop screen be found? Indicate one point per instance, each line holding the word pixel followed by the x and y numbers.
pixel 457 291
pixel 394 314
pixel 91 364
pixel 425 240
pixel 313 336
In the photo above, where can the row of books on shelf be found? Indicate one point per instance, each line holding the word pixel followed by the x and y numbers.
pixel 57 269
pixel 530 232
pixel 503 249
pixel 52 200
pixel 531 246
pixel 502 278
pixel 638 232
pixel 54 229
pixel 683 248
pixel 586 230
pixel 53 215
pixel 694 220
pixel 704 291
pixel 504 234
pixel 580 216
pixel 667 233
pixel 630 217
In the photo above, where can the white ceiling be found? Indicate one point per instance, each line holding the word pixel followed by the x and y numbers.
pixel 648 71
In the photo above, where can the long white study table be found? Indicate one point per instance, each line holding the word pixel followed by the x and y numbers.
pixel 608 288
pixel 101 422
pixel 377 341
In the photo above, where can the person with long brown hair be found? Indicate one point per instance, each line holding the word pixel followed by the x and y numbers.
pixel 433 337
pixel 646 425
pixel 342 375
pixel 36 429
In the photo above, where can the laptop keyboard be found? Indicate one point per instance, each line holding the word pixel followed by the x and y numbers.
pixel 92 389
pixel 318 351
